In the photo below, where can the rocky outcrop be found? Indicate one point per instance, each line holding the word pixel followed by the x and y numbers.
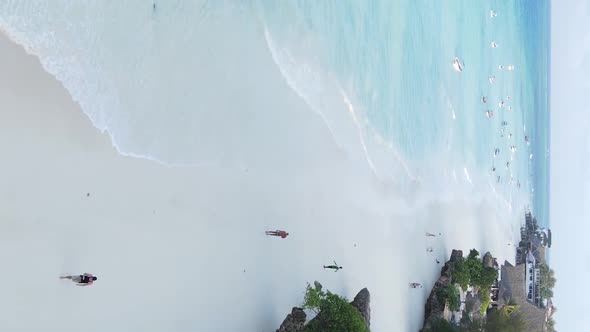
pixel 433 309
pixel 488 260
pixel 294 322
pixel 362 302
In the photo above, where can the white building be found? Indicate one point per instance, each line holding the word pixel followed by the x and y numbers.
pixel 532 279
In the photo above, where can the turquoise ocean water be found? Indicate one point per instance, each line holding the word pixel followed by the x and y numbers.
pixel 396 56
pixel 391 59
pixel 140 67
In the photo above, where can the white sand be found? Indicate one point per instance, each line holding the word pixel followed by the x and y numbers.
pixel 170 245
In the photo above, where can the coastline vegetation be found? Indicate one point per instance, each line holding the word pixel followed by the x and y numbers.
pixel 334 313
pixel 503 320
pixel 450 295
pixel 547 281
pixel 471 271
pixel 479 275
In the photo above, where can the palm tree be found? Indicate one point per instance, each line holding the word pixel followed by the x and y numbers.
pixel 499 321
pixel 507 309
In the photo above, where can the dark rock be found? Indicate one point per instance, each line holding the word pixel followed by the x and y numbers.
pixel 488 260
pixel 362 302
pixel 317 285
pixel 294 321
pixel 433 309
pixel 455 255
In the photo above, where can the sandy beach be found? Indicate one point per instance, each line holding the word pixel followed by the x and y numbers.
pixel 183 248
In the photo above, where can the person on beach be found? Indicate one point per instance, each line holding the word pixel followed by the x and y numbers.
pixel 334 267
pixel 85 279
pixel 282 234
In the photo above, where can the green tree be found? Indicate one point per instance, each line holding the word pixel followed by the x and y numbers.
pixel 498 322
pixel 484 296
pixel 471 325
pixel 470 271
pixel 474 265
pixel 547 281
pixel 449 294
pixel 550 325
pixel 441 325
pixel 334 313
pixel 546 293
pixel 460 274
pixel 313 297
pixel 487 276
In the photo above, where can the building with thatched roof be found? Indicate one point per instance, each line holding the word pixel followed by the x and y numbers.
pixel 513 287
pixel 521 283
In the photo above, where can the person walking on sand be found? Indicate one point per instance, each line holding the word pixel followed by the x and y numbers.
pixel 282 234
pixel 334 267
pixel 83 280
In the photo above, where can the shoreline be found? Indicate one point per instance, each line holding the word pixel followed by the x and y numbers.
pixel 158 222
pixel 189 233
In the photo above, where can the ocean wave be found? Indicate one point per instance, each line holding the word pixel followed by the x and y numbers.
pixel 306 82
pixel 151 79
pixel 320 91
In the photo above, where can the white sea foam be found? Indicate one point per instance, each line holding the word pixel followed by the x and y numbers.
pixel 318 88
pixel 304 79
